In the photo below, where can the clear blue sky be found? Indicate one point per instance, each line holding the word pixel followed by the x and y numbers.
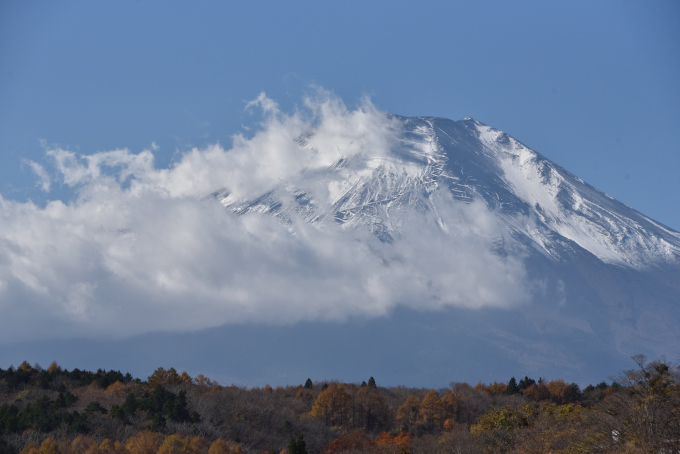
pixel 594 86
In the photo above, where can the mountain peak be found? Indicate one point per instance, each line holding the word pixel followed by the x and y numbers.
pixel 542 206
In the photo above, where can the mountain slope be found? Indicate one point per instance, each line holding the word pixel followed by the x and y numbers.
pixel 603 277
pixel 542 205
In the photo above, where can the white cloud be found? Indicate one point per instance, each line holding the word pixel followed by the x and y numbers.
pixel 140 248
pixel 45 182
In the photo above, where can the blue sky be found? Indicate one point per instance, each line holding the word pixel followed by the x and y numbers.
pixel 591 85
pixel 132 87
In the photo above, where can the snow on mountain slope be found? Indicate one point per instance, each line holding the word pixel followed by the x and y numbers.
pixel 568 206
pixel 542 205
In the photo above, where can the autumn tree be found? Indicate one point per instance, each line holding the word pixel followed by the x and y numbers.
pixel 450 407
pixel 647 409
pixel 333 405
pixel 409 412
pixel 431 410
pixel 162 377
pixel 109 447
pixel 144 442
pixel 354 442
pixel 370 410
pixel 178 444
pixel 397 444
pixel 497 429
pixel 221 446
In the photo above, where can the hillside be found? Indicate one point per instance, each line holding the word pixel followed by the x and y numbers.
pixel 61 411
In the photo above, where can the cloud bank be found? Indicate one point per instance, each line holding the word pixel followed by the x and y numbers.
pixel 142 249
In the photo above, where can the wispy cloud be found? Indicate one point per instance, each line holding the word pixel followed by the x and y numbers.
pixel 44 180
pixel 141 249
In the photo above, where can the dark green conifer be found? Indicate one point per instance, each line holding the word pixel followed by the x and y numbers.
pixel 512 387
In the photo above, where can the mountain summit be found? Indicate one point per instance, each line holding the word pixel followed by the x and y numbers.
pixel 543 206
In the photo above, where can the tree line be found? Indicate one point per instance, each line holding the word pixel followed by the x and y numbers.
pixel 57 411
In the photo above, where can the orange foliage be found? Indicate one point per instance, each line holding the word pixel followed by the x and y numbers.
pixel 537 392
pixel 398 444
pixel 410 409
pixel 204 382
pixel 494 389
pixel 353 442
pixel 357 442
pixel 333 404
pixel 431 408
pixel 450 405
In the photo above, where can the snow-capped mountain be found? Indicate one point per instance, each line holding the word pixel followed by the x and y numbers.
pixel 417 250
pixel 542 205
pixel 605 278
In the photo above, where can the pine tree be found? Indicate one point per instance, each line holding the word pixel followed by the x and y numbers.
pixel 297 446
pixel 512 387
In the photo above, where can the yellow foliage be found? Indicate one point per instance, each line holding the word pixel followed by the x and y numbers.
pixel 144 442
pixel 177 444
pixel 109 447
pixel 31 448
pixel 82 444
pixel 54 367
pixel 49 446
pixel 168 377
pixel 117 388
pixel 21 394
pixel 220 446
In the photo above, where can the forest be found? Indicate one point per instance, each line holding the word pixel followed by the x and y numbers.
pixel 57 411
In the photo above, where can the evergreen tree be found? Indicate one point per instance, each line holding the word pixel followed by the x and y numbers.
pixel 309 384
pixel 297 446
pixel 158 422
pixel 512 387
pixel 371 382
pixel 525 383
